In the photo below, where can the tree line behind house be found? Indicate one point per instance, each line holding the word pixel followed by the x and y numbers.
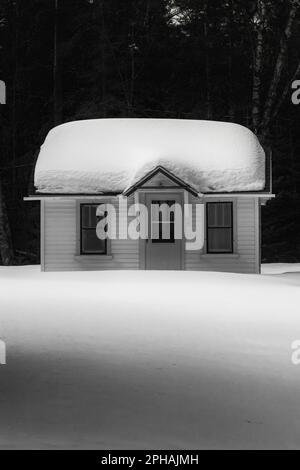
pixel 227 60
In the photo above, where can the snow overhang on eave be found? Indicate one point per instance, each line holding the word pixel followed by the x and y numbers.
pixel 261 195
pixel 44 196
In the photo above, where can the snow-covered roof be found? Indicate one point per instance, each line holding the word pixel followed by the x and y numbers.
pixel 110 155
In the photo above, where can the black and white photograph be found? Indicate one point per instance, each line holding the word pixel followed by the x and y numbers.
pixel 149 228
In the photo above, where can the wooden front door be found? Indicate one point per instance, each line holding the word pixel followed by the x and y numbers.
pixel 163 250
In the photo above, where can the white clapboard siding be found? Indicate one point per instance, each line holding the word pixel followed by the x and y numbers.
pixel 246 242
pixel 60 243
pixel 59 239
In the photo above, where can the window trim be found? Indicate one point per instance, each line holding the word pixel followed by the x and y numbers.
pixel 79 253
pixel 233 212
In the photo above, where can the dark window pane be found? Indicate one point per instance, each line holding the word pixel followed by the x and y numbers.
pixel 227 222
pixel 93 217
pixel 89 218
pixel 90 243
pixel 162 222
pixel 212 215
pixel 219 214
pixel 85 216
pixel 219 240
pixel 220 209
pixel 219 227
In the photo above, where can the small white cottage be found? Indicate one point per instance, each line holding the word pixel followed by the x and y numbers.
pixel 214 171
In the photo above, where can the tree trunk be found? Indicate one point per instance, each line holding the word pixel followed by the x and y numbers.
pixel 281 59
pixel 132 48
pixel 209 112
pixel 231 102
pixel 257 69
pixel 57 85
pixel 6 251
pixel 103 61
pixel 14 95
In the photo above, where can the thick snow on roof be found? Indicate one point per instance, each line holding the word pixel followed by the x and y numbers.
pixel 103 155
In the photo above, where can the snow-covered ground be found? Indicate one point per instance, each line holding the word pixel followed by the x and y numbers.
pixel 280 268
pixel 130 360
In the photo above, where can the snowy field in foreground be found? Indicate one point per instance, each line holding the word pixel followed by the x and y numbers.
pixel 149 360
pixel 280 268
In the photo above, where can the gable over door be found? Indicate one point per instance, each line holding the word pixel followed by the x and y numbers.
pixel 160 180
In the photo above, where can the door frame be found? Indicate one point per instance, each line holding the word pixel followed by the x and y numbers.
pixel 140 196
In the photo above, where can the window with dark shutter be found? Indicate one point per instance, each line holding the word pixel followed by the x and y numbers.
pixel 89 242
pixel 219 220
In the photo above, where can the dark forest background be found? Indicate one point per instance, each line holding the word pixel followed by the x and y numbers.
pixel 228 60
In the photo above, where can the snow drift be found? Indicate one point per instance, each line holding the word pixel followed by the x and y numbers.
pixel 148 360
pixel 104 155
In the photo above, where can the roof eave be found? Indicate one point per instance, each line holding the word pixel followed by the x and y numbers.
pixel 41 196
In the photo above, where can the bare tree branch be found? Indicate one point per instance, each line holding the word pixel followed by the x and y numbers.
pixel 258 65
